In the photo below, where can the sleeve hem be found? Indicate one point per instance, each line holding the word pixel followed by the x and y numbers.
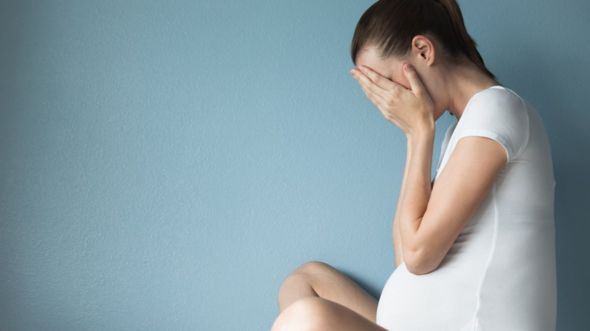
pixel 492 135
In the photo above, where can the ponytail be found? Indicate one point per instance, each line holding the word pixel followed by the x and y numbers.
pixel 391 24
pixel 464 40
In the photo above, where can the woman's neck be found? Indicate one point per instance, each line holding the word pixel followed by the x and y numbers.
pixel 462 82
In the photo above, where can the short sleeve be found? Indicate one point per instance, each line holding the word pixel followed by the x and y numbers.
pixel 498 114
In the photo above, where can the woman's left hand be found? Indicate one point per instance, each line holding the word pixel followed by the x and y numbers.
pixel 409 109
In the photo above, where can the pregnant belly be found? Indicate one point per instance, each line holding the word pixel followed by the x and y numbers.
pixel 440 300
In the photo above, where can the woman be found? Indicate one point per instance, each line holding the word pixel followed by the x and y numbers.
pixel 474 249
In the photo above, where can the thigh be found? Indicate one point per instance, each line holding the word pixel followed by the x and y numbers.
pixel 331 284
pixel 315 314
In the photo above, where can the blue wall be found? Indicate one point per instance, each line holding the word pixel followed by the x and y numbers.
pixel 164 165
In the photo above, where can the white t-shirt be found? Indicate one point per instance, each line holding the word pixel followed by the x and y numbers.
pixel 500 272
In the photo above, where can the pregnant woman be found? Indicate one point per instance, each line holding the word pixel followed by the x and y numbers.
pixel 474 248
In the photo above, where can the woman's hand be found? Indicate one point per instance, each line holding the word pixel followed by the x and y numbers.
pixel 409 109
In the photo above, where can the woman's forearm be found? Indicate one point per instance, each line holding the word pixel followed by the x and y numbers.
pixel 397 238
pixel 415 190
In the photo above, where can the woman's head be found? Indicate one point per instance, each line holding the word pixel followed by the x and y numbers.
pixel 429 34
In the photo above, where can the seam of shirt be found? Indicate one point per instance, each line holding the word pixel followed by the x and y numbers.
pixel 489 260
pixel 528 124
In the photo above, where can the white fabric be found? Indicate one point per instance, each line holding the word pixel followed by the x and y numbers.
pixel 500 272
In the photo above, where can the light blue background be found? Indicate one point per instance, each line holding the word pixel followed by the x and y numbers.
pixel 165 164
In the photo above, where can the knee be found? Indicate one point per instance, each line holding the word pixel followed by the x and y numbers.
pixel 294 278
pixel 307 314
pixel 313 267
pixel 302 274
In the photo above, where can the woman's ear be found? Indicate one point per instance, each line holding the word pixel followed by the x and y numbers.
pixel 423 49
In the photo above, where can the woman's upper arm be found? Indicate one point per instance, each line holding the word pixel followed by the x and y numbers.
pixel 458 191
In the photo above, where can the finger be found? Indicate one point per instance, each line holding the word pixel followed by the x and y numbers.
pixel 377 101
pixel 380 80
pixel 415 81
pixel 375 98
pixel 368 85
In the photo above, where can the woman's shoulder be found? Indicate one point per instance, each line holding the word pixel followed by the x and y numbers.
pixel 497 96
pixel 499 113
pixel 497 104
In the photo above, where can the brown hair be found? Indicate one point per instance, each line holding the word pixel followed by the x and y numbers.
pixel 391 24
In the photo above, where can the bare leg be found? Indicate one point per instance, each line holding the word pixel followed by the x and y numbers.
pixel 318 279
pixel 318 314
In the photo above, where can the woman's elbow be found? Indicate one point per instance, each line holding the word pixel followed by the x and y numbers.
pixel 419 264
